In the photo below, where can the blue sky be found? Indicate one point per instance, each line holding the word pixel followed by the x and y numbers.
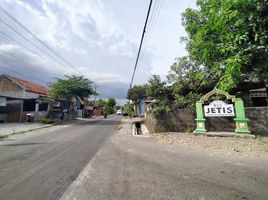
pixel 100 38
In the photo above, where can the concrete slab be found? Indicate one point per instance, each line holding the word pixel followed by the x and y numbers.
pixel 12 128
pixel 228 134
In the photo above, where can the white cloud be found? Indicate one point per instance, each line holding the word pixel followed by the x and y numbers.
pixel 100 38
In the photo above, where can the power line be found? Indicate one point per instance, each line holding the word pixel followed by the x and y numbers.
pixel 16 58
pixel 150 22
pixel 37 38
pixel 30 42
pixel 138 55
pixel 153 21
pixel 21 45
pixel 25 75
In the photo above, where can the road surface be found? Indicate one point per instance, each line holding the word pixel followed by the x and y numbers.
pixel 138 168
pixel 42 166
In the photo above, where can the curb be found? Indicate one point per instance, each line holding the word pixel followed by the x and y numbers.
pixel 28 130
pixel 227 134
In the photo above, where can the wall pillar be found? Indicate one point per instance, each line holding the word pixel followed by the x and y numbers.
pixel 200 120
pixel 21 110
pixel 36 110
pixel 241 121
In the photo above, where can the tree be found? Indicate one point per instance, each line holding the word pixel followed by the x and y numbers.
pixel 111 102
pixel 229 38
pixel 137 92
pixel 127 108
pixel 189 81
pixel 107 106
pixel 157 89
pixel 70 87
pixel 188 76
pixel 101 103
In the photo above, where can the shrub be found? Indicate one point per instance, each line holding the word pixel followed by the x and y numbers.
pixel 46 120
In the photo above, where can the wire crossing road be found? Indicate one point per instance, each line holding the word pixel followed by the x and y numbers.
pixel 42 166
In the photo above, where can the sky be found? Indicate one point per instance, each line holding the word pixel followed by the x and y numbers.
pixel 98 39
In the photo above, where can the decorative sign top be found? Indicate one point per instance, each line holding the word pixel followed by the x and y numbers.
pixel 219 109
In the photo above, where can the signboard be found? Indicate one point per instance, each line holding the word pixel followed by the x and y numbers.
pixel 3 101
pixel 219 109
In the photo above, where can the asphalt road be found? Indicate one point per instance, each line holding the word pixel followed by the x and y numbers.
pixel 137 168
pixel 42 166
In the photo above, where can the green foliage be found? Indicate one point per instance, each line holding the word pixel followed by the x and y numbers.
pixel 111 102
pixel 154 89
pixel 158 89
pixel 137 92
pixel 229 38
pixel 187 75
pixel 46 120
pixel 189 82
pixel 101 103
pixel 187 101
pixel 107 106
pixel 161 108
pixel 127 107
pixel 72 86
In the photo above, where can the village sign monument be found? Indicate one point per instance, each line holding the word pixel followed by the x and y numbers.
pixel 220 108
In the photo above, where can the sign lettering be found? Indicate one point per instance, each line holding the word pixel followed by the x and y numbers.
pixel 219 109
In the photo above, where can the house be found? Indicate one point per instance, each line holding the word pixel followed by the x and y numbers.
pixel 21 100
pixel 259 96
pixel 140 107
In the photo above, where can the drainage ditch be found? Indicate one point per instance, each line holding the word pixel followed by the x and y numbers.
pixel 139 129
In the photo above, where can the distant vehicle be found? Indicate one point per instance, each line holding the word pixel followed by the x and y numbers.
pixel 119 112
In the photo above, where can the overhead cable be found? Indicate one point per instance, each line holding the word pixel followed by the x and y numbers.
pixel 142 37
pixel 37 38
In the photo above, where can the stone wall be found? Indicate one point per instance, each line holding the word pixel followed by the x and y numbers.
pixel 183 120
pixel 258 119
pixel 180 120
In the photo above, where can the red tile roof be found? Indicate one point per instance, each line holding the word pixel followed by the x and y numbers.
pixel 32 87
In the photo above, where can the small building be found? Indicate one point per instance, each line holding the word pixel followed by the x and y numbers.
pixel 20 98
pixel 142 106
pixel 259 97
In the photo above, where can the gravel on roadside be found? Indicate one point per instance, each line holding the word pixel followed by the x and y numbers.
pixel 245 147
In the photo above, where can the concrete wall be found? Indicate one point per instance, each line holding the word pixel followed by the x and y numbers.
pixel 182 120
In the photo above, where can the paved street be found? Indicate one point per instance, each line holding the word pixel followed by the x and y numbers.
pixel 135 168
pixel 42 166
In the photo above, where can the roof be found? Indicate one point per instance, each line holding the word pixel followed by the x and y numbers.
pixel 32 87
pixel 258 90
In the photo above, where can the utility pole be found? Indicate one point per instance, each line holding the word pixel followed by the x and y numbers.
pixel 95 93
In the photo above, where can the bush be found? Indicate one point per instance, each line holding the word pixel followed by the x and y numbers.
pixel 46 120
pixel 161 108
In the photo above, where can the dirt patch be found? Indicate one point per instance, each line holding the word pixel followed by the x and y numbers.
pixel 223 145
